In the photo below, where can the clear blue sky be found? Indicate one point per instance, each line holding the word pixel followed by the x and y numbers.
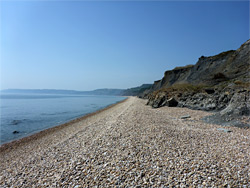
pixel 84 45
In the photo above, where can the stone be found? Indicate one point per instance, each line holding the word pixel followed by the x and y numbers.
pixel 172 102
pixel 15 132
pixel 209 90
pixel 224 130
pixel 185 117
pixel 239 105
pixel 158 101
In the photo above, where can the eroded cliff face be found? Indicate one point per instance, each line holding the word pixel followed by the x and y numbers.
pixel 212 84
pixel 230 65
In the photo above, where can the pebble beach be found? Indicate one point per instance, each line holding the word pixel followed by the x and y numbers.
pixel 130 144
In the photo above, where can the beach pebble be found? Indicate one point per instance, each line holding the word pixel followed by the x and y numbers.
pixel 224 130
pixel 185 117
pixel 130 145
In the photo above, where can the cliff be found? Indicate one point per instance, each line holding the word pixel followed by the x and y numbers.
pixel 219 83
pixel 231 65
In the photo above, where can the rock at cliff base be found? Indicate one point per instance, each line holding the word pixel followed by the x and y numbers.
pixel 237 108
pixel 209 90
pixel 172 102
pixel 239 105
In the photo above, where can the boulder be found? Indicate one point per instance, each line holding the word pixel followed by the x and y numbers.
pixel 172 102
pixel 158 102
pixel 239 105
pixel 209 90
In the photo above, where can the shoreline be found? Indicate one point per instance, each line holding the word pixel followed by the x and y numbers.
pixel 129 144
pixel 37 135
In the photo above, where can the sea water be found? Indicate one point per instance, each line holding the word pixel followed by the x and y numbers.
pixel 25 114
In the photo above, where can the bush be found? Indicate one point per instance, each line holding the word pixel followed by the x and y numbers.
pixel 188 87
pixel 184 67
pixel 176 88
pixel 241 83
pixel 238 82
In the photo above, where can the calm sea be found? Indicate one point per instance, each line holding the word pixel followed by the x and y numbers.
pixel 24 114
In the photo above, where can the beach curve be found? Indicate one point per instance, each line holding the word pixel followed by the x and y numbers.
pixel 130 144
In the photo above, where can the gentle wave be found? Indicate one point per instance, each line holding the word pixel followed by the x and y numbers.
pixel 36 96
pixel 21 116
pixel 53 114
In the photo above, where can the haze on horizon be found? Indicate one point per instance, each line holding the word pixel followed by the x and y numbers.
pixel 85 45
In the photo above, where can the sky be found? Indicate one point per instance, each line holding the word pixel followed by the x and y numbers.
pixel 86 45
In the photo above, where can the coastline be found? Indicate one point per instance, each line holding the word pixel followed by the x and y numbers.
pixel 130 144
pixel 16 143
